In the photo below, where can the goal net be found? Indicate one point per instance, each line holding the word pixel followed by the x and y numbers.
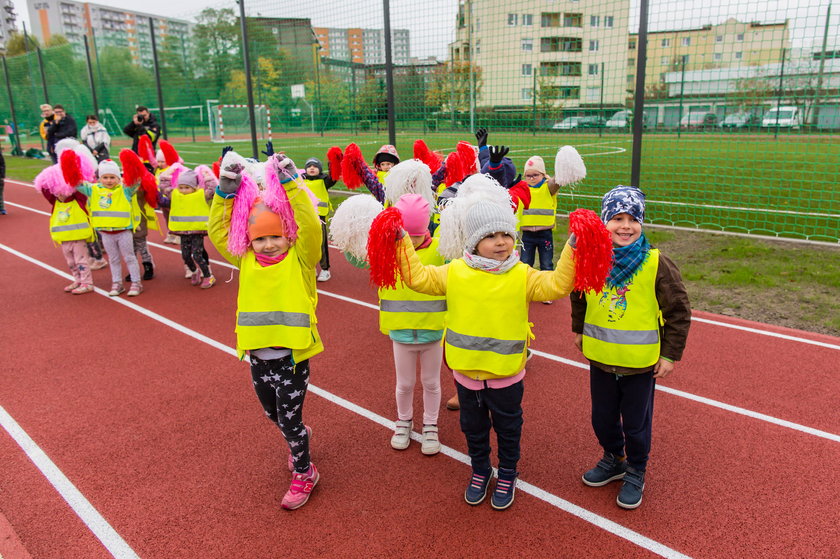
pixel 232 122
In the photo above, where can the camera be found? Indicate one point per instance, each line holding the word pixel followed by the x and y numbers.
pixel 141 118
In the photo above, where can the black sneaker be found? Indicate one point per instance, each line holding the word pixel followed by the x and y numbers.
pixel 630 495
pixel 477 488
pixel 608 469
pixel 148 271
pixel 505 489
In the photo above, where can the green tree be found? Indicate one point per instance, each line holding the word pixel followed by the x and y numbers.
pixel 372 101
pixel 16 46
pixel 216 47
pixel 449 89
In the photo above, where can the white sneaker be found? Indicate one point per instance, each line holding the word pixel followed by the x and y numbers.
pixel 430 444
pixel 187 273
pixel 324 275
pixel 402 434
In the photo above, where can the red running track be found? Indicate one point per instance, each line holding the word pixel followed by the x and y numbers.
pixel 139 404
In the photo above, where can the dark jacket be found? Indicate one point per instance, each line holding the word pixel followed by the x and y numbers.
pixel 64 128
pixel 149 127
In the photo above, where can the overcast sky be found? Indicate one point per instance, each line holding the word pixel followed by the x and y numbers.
pixel 431 22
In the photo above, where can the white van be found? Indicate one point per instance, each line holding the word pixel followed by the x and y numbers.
pixel 782 117
pixel 624 119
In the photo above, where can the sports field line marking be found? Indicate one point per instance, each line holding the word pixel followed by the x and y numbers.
pixel 103 531
pixel 558 502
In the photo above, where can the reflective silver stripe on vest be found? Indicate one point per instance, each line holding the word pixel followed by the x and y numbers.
pixel 110 214
pixel 626 337
pixel 273 318
pixel 74 227
pixel 478 343
pixel 323 204
pixel 386 305
pixel 189 218
pixel 537 212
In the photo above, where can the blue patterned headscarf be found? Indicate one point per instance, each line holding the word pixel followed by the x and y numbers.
pixel 623 199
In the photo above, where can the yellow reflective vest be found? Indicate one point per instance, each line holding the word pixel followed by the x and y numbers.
pixel 189 212
pixel 487 329
pixel 144 211
pixel 405 309
pixel 273 309
pixel 542 210
pixel 69 222
pixel 621 326
pixel 319 189
pixel 110 209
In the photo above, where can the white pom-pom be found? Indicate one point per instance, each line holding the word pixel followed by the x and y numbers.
pixel 350 225
pixel 452 236
pixel 486 187
pixel 66 143
pixel 568 166
pixel 232 158
pixel 409 177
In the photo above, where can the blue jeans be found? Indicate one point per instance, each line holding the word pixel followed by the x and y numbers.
pixel 541 242
pixel 500 408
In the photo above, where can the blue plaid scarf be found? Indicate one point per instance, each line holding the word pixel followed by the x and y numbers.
pixel 627 261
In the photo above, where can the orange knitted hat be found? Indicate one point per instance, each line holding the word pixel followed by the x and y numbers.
pixel 263 222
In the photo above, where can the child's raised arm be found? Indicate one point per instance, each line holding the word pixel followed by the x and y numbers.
pixel 309 238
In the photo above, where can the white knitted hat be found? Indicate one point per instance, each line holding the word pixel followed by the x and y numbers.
pixel 109 167
pixel 535 163
pixel 485 218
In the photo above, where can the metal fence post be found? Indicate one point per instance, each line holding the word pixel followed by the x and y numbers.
pixel 12 110
pixel 90 79
pixel 249 88
pixel 43 75
pixel 157 79
pixel 639 101
pixel 389 74
pixel 682 88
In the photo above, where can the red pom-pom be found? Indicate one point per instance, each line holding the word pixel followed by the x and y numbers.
pixel 217 167
pixel 468 158
pixel 149 186
pixel 350 165
pixel 170 154
pixel 334 157
pixel 427 156
pixel 145 150
pixel 382 248
pixel 454 169
pixel 133 168
pixel 593 250
pixel 71 167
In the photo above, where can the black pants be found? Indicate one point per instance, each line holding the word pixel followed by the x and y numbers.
pixel 281 387
pixel 622 413
pixel 193 253
pixel 500 408
pixel 325 246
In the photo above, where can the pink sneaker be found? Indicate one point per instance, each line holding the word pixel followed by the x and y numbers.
pixel 71 287
pixel 302 485
pixel 291 460
pixel 196 277
pixel 208 282
pixel 82 289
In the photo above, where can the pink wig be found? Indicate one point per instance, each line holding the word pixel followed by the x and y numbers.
pixel 238 241
pixel 277 201
pixel 51 180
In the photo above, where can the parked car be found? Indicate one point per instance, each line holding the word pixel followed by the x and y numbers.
pixel 567 123
pixel 782 117
pixel 741 121
pixel 624 119
pixel 592 122
pixel 698 121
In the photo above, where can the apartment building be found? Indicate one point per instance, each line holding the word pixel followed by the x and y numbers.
pixel 363 46
pixel 727 45
pixel 8 22
pixel 570 54
pixel 108 26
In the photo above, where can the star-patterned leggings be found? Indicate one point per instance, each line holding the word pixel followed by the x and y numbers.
pixel 281 387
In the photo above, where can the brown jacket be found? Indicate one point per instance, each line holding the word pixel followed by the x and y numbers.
pixel 676 312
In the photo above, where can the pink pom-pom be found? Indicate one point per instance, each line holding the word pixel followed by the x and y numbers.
pixel 238 241
pixel 277 200
pixel 593 250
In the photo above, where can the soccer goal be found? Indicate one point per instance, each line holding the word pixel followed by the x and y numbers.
pixel 232 122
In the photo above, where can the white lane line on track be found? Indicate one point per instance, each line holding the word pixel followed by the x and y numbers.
pixel 558 502
pixel 103 531
pixel 580 365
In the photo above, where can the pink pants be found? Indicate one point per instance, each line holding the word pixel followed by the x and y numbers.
pixel 405 359
pixel 76 254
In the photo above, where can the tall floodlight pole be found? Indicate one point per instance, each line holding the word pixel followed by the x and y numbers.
pixel 248 85
pixel 639 101
pixel 389 74
pixel 90 79
pixel 157 79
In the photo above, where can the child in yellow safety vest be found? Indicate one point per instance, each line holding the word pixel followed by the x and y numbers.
pixel 189 210
pixel 414 322
pixel 319 183
pixel 632 333
pixel 487 291
pixel 113 216
pixel 69 226
pixel 274 238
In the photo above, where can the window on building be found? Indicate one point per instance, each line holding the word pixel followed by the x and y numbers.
pixel 594 21
pixel 477 24
pixel 718 56
pixel 666 42
pixel 593 94
pixel 593 69
pixel 570 92
pixel 739 37
pixel 662 77
pixel 560 68
pixel 478 46
pixel 665 60
pixel 608 21
pixel 526 94
pixel 513 19
pixel 631 44
pixel 527 20
pixel 685 59
pixel 686 41
pixel 593 45
pixel 550 19
pixel 527 70
pixel 719 38
pixel 631 78
pixel 739 55
pixel 527 45
pixel 572 20
pixel 561 44
pixel 631 62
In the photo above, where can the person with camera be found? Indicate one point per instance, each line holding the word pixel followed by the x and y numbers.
pixel 63 126
pixel 143 123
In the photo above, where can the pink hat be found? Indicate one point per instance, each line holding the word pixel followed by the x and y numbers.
pixel 415 213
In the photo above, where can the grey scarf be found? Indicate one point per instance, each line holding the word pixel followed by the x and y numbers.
pixel 491 265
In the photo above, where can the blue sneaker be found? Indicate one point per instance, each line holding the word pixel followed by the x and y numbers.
pixel 609 468
pixel 630 495
pixel 505 489
pixel 477 488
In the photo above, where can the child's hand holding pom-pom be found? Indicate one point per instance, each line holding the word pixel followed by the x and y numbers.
pixel 385 230
pixel 350 226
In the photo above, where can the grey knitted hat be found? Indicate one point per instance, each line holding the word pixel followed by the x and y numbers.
pixel 485 218
pixel 188 177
